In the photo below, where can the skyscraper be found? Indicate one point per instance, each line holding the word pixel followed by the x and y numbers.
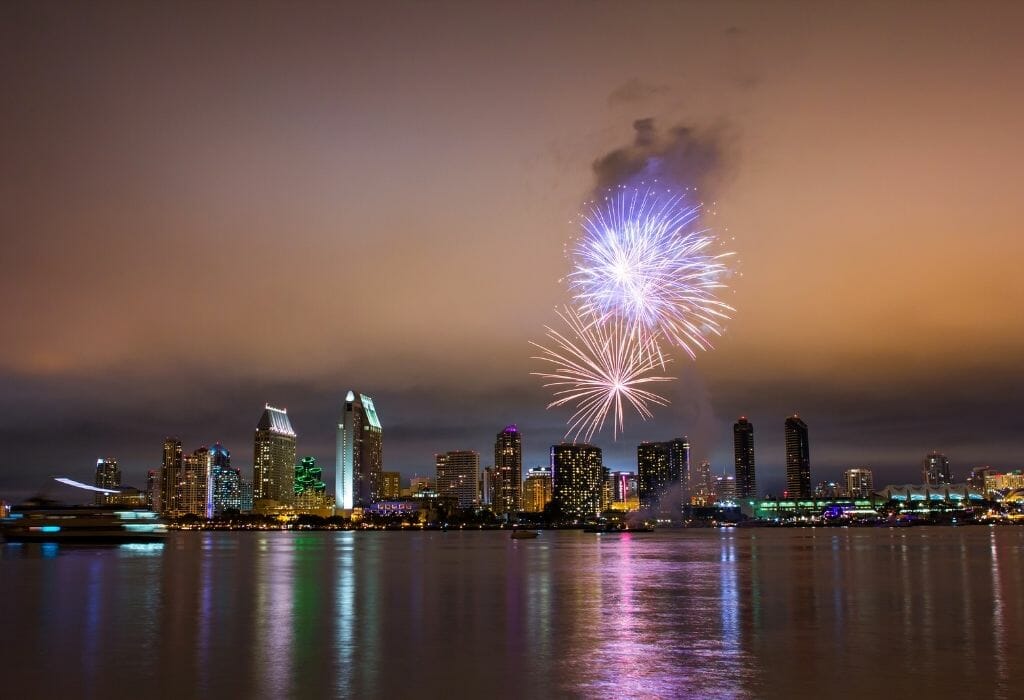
pixel 935 469
pixel 273 460
pixel 743 451
pixel 859 482
pixel 108 476
pixel 487 486
pixel 225 482
pixel 577 476
pixel 310 490
pixel 153 489
pixel 390 485
pixel 170 474
pixel 359 457
pixel 798 459
pixel 458 476
pixel 537 489
pixel 193 494
pixel 663 475
pixel 508 471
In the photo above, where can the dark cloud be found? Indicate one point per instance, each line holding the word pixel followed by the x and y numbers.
pixel 681 156
pixel 635 90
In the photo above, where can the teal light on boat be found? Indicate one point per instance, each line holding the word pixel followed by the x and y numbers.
pixel 46 528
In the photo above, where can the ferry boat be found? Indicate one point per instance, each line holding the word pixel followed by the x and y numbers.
pixel 48 521
pixel 525 534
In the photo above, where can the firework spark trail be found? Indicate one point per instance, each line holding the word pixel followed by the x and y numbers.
pixel 643 258
pixel 599 367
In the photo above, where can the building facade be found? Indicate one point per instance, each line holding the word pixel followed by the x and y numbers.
pixel 359 454
pixel 458 476
pixel 537 489
pixel 663 475
pixel 170 474
pixel 935 469
pixel 274 460
pixel 508 472
pixel 743 452
pixel 194 495
pixel 859 482
pixel 798 459
pixel 108 476
pixel 390 485
pixel 225 482
pixel 577 479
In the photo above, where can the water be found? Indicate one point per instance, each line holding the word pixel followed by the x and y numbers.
pixel 830 613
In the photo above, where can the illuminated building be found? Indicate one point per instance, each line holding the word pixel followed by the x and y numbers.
pixel 798 459
pixel 725 488
pixel 828 489
pixel 170 473
pixel 996 481
pixel 487 486
pixel 458 477
pixel 194 491
pixel 663 475
pixel 108 476
pixel 978 475
pixel 359 455
pixel 508 471
pixel 273 460
pixel 152 488
pixel 743 452
pixel 310 490
pixel 390 485
pixel 537 489
pixel 418 484
pixel 127 496
pixel 935 469
pixel 225 482
pixel 702 491
pixel 245 491
pixel 577 479
pixel 860 482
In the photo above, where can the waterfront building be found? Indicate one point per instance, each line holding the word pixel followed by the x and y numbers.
pixel 487 486
pixel 1004 482
pixel 310 490
pixel 663 475
pixel 577 476
pixel 246 494
pixel 859 481
pixel 419 484
pixel 390 485
pixel 978 476
pixel 108 476
pixel 798 458
pixel 935 469
pixel 829 489
pixel 273 460
pixel 170 473
pixel 508 471
pixel 193 494
pixel 537 489
pixel 152 488
pixel 458 476
pixel 359 456
pixel 225 482
pixel 743 452
pixel 702 492
pixel 725 488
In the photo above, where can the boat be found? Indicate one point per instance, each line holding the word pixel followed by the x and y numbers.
pixel 606 528
pixel 49 521
pixel 525 534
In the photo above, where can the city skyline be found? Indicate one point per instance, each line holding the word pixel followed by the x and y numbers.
pixel 313 186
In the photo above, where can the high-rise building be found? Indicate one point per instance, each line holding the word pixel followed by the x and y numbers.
pixel 152 489
pixel 170 475
pixel 419 484
pixel 725 488
pixel 273 460
pixel 246 494
pixel 359 456
pixel 108 476
pixel 225 482
pixel 310 490
pixel 577 476
pixel 458 476
pixel 859 481
pixel 487 486
pixel 508 471
pixel 977 477
pixel 193 495
pixel 537 489
pixel 703 491
pixel 390 485
pixel 743 451
pixel 798 459
pixel 663 475
pixel 624 485
pixel 935 469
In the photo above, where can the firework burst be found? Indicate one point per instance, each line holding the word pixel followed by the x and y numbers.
pixel 601 368
pixel 643 259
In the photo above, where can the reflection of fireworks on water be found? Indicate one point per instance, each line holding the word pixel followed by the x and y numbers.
pixel 643 258
pixel 599 367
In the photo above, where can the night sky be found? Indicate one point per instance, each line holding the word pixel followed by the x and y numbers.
pixel 208 207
